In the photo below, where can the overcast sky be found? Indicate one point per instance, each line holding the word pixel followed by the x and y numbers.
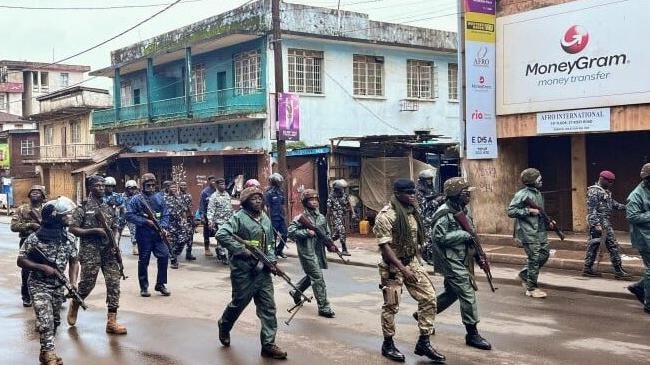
pixel 48 35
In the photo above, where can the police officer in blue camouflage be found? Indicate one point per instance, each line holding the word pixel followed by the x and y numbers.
pixel 46 288
pixel 338 206
pixel 149 241
pixel 219 212
pixel 275 202
pixel 188 222
pixel 130 190
pixel 177 222
pixel 114 200
pixel 600 205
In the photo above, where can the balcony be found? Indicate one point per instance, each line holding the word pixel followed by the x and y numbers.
pixel 227 102
pixel 68 152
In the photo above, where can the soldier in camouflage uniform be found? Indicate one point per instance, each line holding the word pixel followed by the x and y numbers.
pixel 96 252
pixel 599 208
pixel 131 189
pixel 399 230
pixel 311 252
pixel 454 255
pixel 46 288
pixel 338 206
pixel 188 221
pixel 638 214
pixel 531 230
pixel 27 220
pixel 177 218
pixel 219 210
pixel 252 224
pixel 428 202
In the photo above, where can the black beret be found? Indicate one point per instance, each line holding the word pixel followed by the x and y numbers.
pixel 403 185
pixel 95 179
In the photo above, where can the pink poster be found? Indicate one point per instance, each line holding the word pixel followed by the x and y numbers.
pixel 288 117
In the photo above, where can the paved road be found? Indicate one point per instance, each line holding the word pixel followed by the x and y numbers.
pixel 566 328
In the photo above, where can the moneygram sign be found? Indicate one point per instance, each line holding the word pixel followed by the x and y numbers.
pixel 588 55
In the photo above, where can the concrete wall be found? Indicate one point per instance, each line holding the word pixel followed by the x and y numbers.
pixel 338 113
pixel 53 85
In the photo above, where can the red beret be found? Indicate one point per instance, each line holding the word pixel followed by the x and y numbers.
pixel 607 175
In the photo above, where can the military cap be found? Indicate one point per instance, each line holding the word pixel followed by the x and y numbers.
pixel 607 175
pixel 95 179
pixel 403 185
pixel 308 194
pixel 40 188
pixel 529 176
pixel 645 171
pixel 455 185
pixel 249 192
pixel 148 177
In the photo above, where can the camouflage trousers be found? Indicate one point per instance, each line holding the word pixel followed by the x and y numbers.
pixel 132 233
pixel 93 258
pixel 180 236
pixel 537 255
pixel 421 291
pixel 47 303
pixel 593 246
pixel 338 229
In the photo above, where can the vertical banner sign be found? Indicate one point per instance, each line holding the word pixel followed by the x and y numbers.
pixel 480 76
pixel 288 117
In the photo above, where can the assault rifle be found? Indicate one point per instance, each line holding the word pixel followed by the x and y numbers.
pixel 481 257
pixel 322 235
pixel 156 225
pixel 42 259
pixel 267 263
pixel 547 220
pixel 101 218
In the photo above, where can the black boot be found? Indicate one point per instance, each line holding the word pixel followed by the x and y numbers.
pixel 173 263
pixel 344 249
pixel 638 291
pixel 389 350
pixel 589 272
pixel 188 254
pixel 472 338
pixel 620 274
pixel 424 348
pixel 224 336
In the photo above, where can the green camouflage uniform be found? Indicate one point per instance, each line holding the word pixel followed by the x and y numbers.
pixel 48 292
pixel 422 290
pixel 638 213
pixel 311 253
pixel 455 259
pixel 21 222
pixel 95 253
pixel 531 232
pixel 247 282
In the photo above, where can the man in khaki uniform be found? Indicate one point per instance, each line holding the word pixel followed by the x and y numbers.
pixel 400 232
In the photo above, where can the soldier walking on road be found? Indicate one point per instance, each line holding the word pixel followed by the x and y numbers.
pixel 46 288
pixel 531 230
pixel 27 220
pixel 638 214
pixel 311 252
pixel 219 212
pixel 177 217
pixel 203 211
pixel 456 259
pixel 248 283
pixel 187 222
pixel 599 209
pixel 131 189
pixel 275 202
pixel 96 252
pixel 399 230
pixel 149 240
pixel 338 206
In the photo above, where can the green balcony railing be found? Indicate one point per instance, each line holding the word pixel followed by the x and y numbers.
pixel 204 105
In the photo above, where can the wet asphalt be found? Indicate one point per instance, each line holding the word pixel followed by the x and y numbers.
pixel 565 328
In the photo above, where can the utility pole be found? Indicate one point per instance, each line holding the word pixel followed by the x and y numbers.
pixel 279 84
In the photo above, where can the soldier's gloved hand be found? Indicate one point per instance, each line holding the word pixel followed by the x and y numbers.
pixel 408 275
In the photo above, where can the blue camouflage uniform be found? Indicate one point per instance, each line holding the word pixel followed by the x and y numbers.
pixel 275 201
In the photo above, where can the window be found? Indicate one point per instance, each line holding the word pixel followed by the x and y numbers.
pixel 45 81
pixel 247 72
pixel 421 79
pixel 4 74
pixel 198 81
pixel 126 93
pixel 305 71
pixel 27 147
pixel 18 126
pixel 49 135
pixel 452 81
pixel 3 102
pixel 64 79
pixel 75 132
pixel 368 73
pixel 35 81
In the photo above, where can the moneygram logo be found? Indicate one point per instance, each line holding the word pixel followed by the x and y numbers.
pixel 575 39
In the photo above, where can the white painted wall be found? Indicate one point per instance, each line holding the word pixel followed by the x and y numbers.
pixel 336 113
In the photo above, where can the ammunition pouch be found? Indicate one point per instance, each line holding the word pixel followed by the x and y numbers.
pixel 392 290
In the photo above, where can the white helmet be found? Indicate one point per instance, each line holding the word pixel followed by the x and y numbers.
pixel 131 184
pixel 57 208
pixel 109 181
pixel 340 184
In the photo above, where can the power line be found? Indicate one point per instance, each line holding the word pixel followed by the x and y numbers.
pixel 91 7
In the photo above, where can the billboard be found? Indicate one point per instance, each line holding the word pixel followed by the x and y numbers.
pixel 288 117
pixel 581 54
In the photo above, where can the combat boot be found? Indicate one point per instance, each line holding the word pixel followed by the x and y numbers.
pixel 589 272
pixel 388 350
pixel 72 312
pixel 224 336
pixel 638 292
pixel 620 274
pixel 273 352
pixel 474 339
pixel 113 327
pixel 344 249
pixel 174 264
pixel 188 254
pixel 327 313
pixel 424 348
pixel 49 358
